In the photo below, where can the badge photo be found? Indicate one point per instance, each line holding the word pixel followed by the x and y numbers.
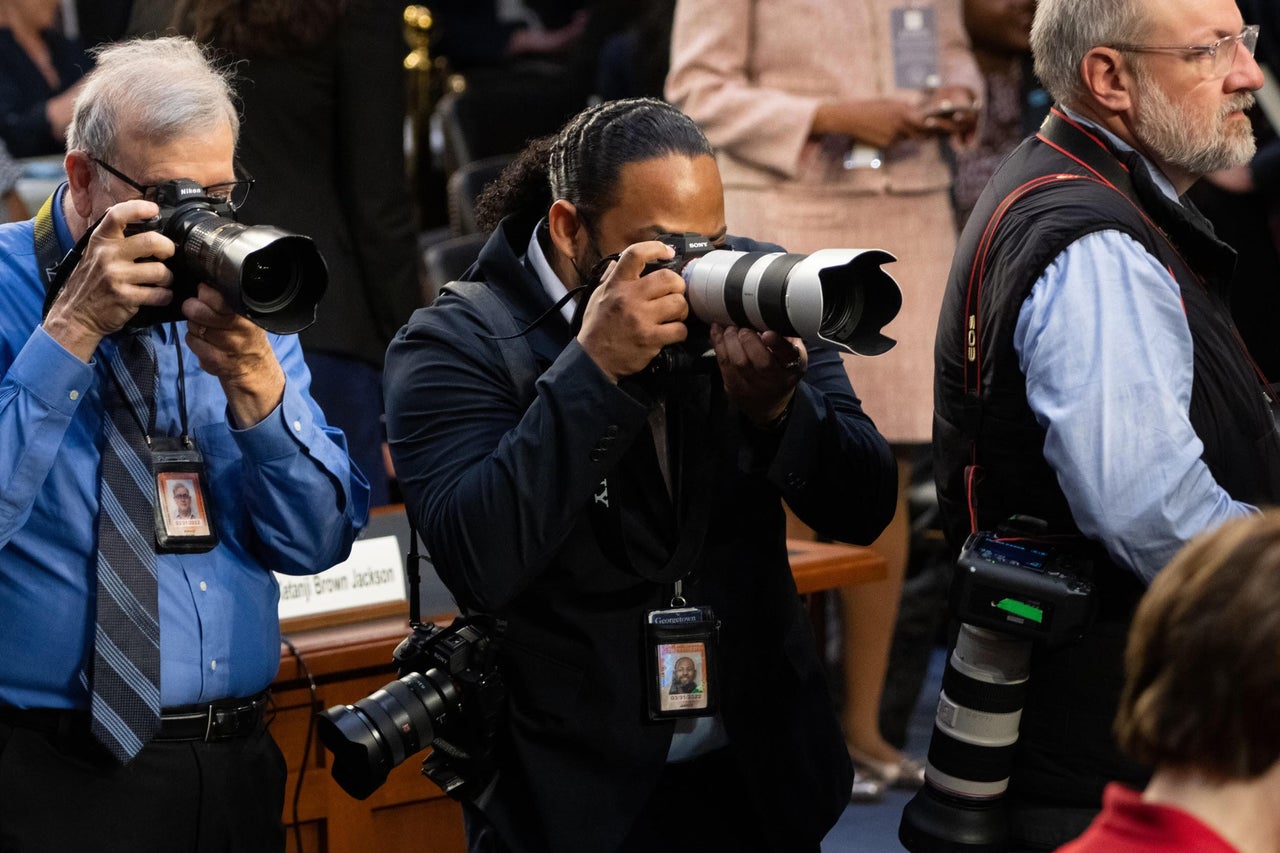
pixel 184 511
pixel 683 668
pixel 183 505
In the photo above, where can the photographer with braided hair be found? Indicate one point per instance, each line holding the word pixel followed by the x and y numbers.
pixel 567 490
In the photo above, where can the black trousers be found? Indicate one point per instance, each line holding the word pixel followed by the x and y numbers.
pixel 698 806
pixel 62 792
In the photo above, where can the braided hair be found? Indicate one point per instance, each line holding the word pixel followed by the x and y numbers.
pixel 582 162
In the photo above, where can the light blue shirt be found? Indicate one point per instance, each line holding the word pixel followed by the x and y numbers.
pixel 1104 344
pixel 285 498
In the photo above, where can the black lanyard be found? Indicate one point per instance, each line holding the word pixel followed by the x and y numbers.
pixel 57 267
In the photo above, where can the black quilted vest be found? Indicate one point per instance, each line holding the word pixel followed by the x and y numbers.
pixel 1064 183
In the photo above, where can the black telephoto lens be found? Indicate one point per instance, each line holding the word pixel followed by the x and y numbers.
pixel 274 278
pixel 373 736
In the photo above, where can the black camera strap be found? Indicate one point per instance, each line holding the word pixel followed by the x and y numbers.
pixel 57 269
pixel 413 563
pixel 517 355
pixel 56 266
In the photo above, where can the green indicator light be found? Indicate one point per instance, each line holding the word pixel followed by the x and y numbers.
pixel 1019 608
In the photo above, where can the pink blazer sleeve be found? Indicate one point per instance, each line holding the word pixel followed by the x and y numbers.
pixel 752 73
pixel 709 81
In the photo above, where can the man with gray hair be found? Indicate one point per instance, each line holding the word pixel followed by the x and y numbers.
pixel 1088 372
pixel 135 659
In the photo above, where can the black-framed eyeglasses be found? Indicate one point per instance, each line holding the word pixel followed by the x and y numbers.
pixel 1215 60
pixel 232 193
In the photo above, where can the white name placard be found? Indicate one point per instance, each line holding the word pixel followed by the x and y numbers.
pixel 373 574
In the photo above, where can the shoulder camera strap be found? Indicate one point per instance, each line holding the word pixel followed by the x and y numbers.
pixel 56 269
pixel 517 355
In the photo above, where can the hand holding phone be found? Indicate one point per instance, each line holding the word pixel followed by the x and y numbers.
pixel 949 111
pixel 955 116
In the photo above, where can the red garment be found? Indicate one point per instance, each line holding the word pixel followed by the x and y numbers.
pixel 1129 824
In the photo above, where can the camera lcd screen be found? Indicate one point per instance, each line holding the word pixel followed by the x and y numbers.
pixel 1011 553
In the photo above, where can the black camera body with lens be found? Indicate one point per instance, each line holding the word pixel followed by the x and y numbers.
pixel 686 246
pixel 1012 590
pixel 1022 586
pixel 273 277
pixel 449 696
pixel 693 352
pixel 839 296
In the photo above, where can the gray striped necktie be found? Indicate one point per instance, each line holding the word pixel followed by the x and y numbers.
pixel 126 650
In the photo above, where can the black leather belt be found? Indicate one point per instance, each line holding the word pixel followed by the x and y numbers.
pixel 216 721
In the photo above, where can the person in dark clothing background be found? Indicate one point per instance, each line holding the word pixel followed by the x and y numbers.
pixel 628 52
pixel 40 70
pixel 323 102
pixel 1015 103
pixel 1243 203
pixel 486 34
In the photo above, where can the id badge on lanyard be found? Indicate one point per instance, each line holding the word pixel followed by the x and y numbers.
pixel 183 505
pixel 682 648
pixel 913 35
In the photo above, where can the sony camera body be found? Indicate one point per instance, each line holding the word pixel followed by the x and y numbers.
pixel 449 696
pixel 269 275
pixel 839 296
pixel 686 246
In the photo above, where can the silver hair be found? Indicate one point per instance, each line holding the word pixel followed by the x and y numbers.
pixel 1063 31
pixel 160 89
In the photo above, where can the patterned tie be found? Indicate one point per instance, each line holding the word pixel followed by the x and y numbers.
pixel 126 648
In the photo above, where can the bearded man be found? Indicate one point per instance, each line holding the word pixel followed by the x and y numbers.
pixel 1088 372
pixel 686 677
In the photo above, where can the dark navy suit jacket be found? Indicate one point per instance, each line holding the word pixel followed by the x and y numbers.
pixel 547 508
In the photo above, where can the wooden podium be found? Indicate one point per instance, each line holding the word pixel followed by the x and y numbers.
pixel 349 661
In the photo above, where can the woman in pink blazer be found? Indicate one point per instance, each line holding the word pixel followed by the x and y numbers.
pixel 830 118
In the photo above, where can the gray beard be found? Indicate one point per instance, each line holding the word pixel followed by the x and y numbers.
pixel 1174 137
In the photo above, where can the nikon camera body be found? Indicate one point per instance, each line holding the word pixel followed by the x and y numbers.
pixel 273 277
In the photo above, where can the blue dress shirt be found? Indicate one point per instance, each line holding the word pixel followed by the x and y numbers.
pixel 285 498
pixel 1104 344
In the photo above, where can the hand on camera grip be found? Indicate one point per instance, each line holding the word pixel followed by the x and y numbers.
pixel 630 315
